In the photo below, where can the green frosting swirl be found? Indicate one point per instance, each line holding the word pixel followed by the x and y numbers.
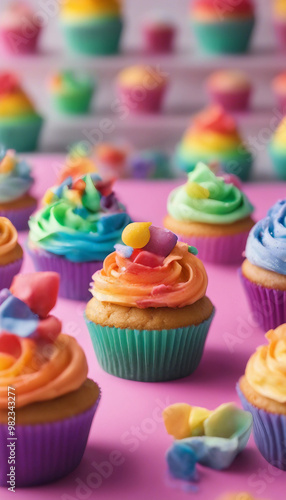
pixel 226 203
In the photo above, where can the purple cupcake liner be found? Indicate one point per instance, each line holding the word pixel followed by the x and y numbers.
pixel 268 305
pixel 45 452
pixel 75 276
pixel 218 250
pixel 269 432
pixel 8 272
pixel 19 217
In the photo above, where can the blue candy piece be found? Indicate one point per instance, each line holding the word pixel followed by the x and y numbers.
pixel 182 462
pixel 4 294
pixel 17 318
pixel 124 250
pixel 162 241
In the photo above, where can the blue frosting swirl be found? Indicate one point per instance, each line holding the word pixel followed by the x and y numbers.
pixel 16 182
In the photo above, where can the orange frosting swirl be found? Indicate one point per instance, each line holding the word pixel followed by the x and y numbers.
pixel 180 281
pixel 8 236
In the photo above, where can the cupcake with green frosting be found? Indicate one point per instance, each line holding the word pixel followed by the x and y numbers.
pixel 71 92
pixel 211 214
pixel 77 228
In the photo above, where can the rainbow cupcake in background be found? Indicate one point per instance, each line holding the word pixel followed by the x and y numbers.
pixel 277 150
pixel 76 165
pixel 158 33
pixel 19 29
pixel 47 372
pixel 279 90
pixel 71 92
pixel 92 27
pixel 213 138
pixel 222 27
pixel 230 89
pixel 279 20
pixel 111 160
pixel 11 253
pixel 20 124
pixel 149 316
pixel 77 228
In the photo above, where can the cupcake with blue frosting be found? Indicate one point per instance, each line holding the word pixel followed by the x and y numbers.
pixel 77 228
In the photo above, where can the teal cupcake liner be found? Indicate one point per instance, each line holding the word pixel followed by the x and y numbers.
pixel 149 355
pixel 100 37
pixel 279 162
pixel 21 135
pixel 72 103
pixel 227 37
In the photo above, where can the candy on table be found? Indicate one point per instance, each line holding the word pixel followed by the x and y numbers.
pixel 182 463
pixel 195 190
pixel 182 420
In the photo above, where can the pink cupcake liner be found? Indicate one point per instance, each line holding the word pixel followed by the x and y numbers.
pixel 158 41
pixel 8 272
pixel 235 101
pixel 281 102
pixel 139 99
pixel 268 305
pixel 218 250
pixel 45 452
pixel 17 42
pixel 19 217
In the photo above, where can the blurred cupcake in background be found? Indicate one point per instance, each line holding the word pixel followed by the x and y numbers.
pixel 19 29
pixel 16 181
pixel 277 150
pixel 20 124
pixel 158 33
pixel 11 253
pixel 111 160
pixel 213 138
pixel 92 27
pixel 142 89
pixel 279 20
pixel 222 27
pixel 76 165
pixel 230 89
pixel 150 164
pixel 71 92
pixel 279 89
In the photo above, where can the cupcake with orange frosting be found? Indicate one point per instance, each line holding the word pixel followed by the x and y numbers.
pixel 20 124
pixel 279 89
pixel 279 20
pixel 277 150
pixel 262 390
pixel 149 316
pixel 141 89
pixel 43 375
pixel 11 253
pixel 222 27
pixel 213 138
pixel 19 29
pixel 229 89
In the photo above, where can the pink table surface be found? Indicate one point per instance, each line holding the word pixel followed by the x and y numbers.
pixel 128 425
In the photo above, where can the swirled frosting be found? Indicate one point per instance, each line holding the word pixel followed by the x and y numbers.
pixel 81 222
pixel 14 102
pixel 208 10
pixel 278 141
pixel 73 9
pixel 266 244
pixel 15 177
pixel 223 203
pixel 265 370
pixel 8 237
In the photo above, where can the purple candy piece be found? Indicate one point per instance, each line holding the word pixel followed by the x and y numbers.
pixel 123 250
pixel 161 241
pixel 110 203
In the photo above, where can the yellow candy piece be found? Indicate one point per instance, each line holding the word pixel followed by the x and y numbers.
pixel 137 234
pixel 195 190
pixel 48 197
pixel 74 196
pixel 196 421
pixel 7 164
pixel 176 419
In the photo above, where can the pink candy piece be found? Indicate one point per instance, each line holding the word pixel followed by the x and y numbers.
pixel 231 179
pixel 161 241
pixel 149 259
pixel 49 328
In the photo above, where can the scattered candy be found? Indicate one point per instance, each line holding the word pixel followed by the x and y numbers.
pixel 123 250
pixel 195 190
pixel 193 250
pixel 161 241
pixel 182 462
pixel 148 259
pixel 176 419
pixel 197 419
pixel 136 234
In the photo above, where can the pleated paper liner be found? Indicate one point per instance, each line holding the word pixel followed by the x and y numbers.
pixel 19 217
pixel 8 272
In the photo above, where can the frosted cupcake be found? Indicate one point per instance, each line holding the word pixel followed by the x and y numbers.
pixel 158 34
pixel 262 391
pixel 213 137
pixel 277 150
pixel 149 316
pixel 43 375
pixel 229 89
pixel 92 27
pixel 264 270
pixel 111 160
pixel 141 89
pixel 16 180
pixel 77 228
pixel 279 89
pixel 11 253
pixel 19 29
pixel 222 27
pixel 212 215
pixel 279 19
pixel 76 165
pixel 71 92
pixel 20 124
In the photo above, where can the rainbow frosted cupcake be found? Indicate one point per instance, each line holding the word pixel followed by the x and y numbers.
pixel 16 180
pixel 262 391
pixel 277 150
pixel 19 29
pixel 279 20
pixel 149 316
pixel 213 138
pixel 92 27
pixel 43 382
pixel 221 28
pixel 20 124
pixel 71 92
pixel 11 253
pixel 212 215
pixel 229 89
pixel 279 90
pixel 78 227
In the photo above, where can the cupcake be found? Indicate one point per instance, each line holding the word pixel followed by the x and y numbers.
pixel 263 272
pixel 141 89
pixel 111 160
pixel 20 124
pixel 222 27
pixel 262 391
pixel 11 253
pixel 158 34
pixel 92 27
pixel 71 92
pixel 277 150
pixel 16 180
pixel 76 165
pixel 149 316
pixel 279 20
pixel 77 228
pixel 279 88
pixel 212 215
pixel 19 29
pixel 45 372
pixel 213 137
pixel 229 89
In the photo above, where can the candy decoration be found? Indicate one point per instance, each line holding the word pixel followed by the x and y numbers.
pixel 193 250
pixel 195 190
pixel 48 197
pixel 110 203
pixel 148 259
pixel 196 421
pixel 17 318
pixel 32 289
pixel 79 185
pixel 231 179
pixel 74 196
pixel 176 419
pixel 105 187
pixel 123 250
pixel 136 234
pixel 182 462
pixel 161 241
